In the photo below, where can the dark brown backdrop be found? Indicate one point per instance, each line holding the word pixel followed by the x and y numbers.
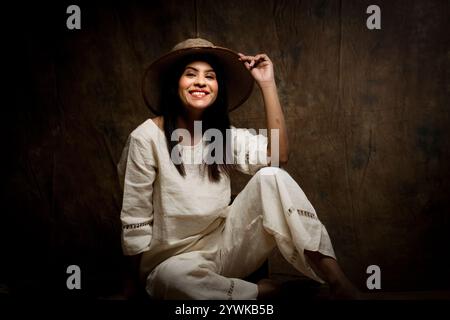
pixel 367 114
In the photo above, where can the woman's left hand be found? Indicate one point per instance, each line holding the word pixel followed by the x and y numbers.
pixel 261 68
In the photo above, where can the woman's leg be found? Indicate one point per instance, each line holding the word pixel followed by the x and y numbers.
pixel 328 269
pixel 282 216
pixel 194 275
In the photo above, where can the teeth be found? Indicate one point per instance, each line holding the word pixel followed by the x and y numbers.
pixel 198 94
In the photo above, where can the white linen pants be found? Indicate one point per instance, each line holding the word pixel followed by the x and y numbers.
pixel 272 210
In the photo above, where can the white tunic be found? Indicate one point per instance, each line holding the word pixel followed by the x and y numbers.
pixel 164 210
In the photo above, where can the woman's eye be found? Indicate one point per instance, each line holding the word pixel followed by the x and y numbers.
pixel 210 77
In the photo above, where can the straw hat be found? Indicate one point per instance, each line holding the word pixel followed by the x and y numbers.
pixel 237 78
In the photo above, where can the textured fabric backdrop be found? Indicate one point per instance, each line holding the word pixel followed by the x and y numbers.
pixel 367 114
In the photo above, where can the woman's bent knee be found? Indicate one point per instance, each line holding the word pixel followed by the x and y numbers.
pixel 176 277
pixel 268 171
pixel 165 279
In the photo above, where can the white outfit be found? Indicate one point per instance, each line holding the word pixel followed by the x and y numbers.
pixel 194 244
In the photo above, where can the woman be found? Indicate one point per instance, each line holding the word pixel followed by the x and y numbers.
pixel 178 225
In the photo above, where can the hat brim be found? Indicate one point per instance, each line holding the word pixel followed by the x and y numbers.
pixel 237 78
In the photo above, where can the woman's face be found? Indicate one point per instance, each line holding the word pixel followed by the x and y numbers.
pixel 198 86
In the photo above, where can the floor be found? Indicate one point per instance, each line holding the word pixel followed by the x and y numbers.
pixel 293 289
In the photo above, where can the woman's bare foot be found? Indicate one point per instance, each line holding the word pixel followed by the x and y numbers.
pixel 328 268
pixel 268 289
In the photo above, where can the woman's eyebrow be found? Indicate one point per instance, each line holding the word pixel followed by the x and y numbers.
pixel 195 69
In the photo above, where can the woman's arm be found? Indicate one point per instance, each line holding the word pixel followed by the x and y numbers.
pixel 275 120
pixel 261 68
pixel 137 173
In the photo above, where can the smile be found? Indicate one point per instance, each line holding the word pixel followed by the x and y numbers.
pixel 198 94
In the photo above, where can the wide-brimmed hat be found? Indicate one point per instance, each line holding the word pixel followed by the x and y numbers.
pixel 237 78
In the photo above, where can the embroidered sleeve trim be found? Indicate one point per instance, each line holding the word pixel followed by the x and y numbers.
pixel 135 225
pixel 230 290
pixel 302 213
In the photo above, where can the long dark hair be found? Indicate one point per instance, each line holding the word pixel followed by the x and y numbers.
pixel 215 116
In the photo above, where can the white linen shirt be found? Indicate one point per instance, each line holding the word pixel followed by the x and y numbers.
pixel 163 212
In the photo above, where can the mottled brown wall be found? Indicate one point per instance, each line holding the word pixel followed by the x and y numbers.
pixel 367 114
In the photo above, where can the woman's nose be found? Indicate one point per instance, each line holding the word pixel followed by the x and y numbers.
pixel 200 80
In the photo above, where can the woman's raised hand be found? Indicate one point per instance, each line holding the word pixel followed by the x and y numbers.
pixel 261 68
